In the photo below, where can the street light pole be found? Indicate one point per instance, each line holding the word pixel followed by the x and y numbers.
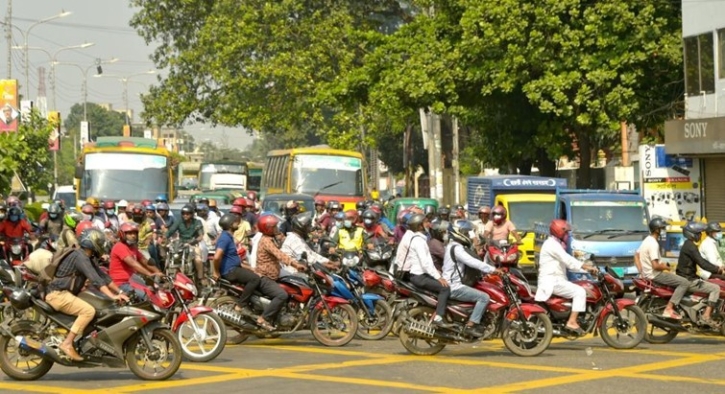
pixel 84 86
pixel 25 44
pixel 53 62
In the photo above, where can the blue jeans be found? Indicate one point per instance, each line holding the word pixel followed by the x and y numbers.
pixel 126 287
pixel 469 294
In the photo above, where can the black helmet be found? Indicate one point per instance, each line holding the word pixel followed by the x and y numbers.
pixel 693 231
pixel 657 223
pixel 360 205
pixel 438 228
pixel 415 222
pixel 54 210
pixel 302 222
pixel 94 240
pixel 19 298
pixel 203 200
pixel 15 212
pixel 444 212
pixel 370 214
pixel 429 211
pixel 188 208
pixel 227 221
pixel 333 204
pixel 713 227
pixel 460 232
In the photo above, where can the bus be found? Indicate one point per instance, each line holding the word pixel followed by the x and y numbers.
pixel 209 168
pixel 123 168
pixel 320 171
pixel 188 175
pixel 254 180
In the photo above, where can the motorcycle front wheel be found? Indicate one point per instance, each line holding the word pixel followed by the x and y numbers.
pixel 422 315
pixel 626 332
pixel 20 364
pixel 336 328
pixel 204 341
pixel 377 326
pixel 159 363
pixel 530 337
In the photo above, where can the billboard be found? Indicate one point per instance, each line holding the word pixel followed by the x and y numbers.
pixel 54 138
pixel 670 184
pixel 10 115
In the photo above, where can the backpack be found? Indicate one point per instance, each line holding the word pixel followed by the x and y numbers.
pixel 47 274
pixel 470 275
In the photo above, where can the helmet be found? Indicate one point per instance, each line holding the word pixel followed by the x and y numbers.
pixel 236 209
pixel 60 203
pixel 351 214
pixel 429 211
pixel 138 210
pixel 438 228
pixel 227 221
pixel 162 206
pixel 302 223
pixel 249 203
pixel 203 200
pixel 202 209
pixel 146 203
pixel 252 195
pixel 334 204
pixel 401 216
pixel 378 212
pixel 14 214
pixel 162 198
pixel 713 227
pixel 122 204
pixel 93 202
pixel 87 209
pixel 212 203
pixel 291 207
pixel 20 299
pixel 13 201
pixel 369 218
pixel 444 213
pixel 360 205
pixel 498 213
pixel 127 227
pixel 693 231
pixel 657 223
pixel 339 216
pixel 415 222
pixel 188 208
pixel 319 202
pixel 54 210
pixel 241 201
pixel 267 224
pixel 93 239
pixel 559 228
pixel 72 219
pixel 109 204
pixel 83 226
pixel 486 210
pixel 460 232
pixel 150 208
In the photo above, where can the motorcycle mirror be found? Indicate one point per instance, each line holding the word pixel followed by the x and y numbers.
pixel 304 256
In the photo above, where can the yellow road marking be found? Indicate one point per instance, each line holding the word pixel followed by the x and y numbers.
pixel 498 364
pixel 346 364
pixel 368 382
pixel 673 378
pixel 36 388
pixel 337 352
pixel 168 384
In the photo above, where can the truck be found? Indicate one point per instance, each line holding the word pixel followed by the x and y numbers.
pixel 528 199
pixel 607 226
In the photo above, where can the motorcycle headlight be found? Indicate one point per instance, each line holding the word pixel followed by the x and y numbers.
pixel 374 255
pixel 387 255
pixel 16 249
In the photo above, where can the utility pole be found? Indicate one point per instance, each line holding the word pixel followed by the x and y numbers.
pixel 455 163
pixel 9 38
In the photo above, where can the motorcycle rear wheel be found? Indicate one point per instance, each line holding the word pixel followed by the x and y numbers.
pixel 229 302
pixel 342 318
pixel 639 324
pixel 420 346
pixel 653 334
pixel 515 341
pixel 19 364
pixel 164 365
pixel 213 331
pixel 380 326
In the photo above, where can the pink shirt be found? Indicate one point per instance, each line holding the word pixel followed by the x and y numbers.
pixel 499 232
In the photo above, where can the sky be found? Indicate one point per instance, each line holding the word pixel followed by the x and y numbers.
pixel 105 24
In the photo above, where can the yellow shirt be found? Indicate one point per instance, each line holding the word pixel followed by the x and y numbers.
pixel 241 236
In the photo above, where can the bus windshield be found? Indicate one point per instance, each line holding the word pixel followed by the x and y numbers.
pixel 209 169
pixel 525 214
pixel 327 175
pixel 129 176
pixel 598 216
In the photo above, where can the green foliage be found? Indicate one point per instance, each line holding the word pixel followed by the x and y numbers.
pixel 102 121
pixel 26 152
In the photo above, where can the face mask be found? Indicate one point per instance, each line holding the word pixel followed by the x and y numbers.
pixel 445 238
pixel 2 216
pixel 14 218
pixel 110 212
pixel 52 215
pixel 348 223
pixel 368 222
pixel 338 224
pixel 718 236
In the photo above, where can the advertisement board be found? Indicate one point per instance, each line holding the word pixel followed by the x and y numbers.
pixel 670 184
pixel 10 115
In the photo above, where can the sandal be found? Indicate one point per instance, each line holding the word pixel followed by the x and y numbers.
pixel 265 325
pixel 671 315
pixel 575 330
pixel 708 322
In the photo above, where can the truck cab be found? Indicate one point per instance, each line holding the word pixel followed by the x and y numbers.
pixel 609 225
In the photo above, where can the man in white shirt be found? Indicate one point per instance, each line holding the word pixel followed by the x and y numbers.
pixel 553 264
pixel 455 261
pixel 413 256
pixel 647 259
pixel 709 249
pixel 294 243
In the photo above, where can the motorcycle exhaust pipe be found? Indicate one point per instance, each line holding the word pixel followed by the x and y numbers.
pixel 658 322
pixel 41 350
pixel 233 318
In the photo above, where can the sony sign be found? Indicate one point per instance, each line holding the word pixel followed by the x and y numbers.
pixel 695 130
pixel 692 137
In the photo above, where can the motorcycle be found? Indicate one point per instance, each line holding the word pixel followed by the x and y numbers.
pixel 179 258
pixel 198 329
pixel 375 316
pixel 350 258
pixel 16 250
pixel 613 318
pixel 310 304
pixel 379 256
pixel 654 298
pixel 118 337
pixel 524 327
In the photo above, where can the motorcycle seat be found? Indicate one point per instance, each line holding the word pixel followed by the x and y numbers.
pixel 45 306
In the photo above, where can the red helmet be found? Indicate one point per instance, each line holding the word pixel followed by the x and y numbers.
pixel 498 213
pixel 146 203
pixel 351 214
pixel 109 204
pixel 126 227
pixel 82 226
pixel 268 225
pixel 241 202
pixel 559 228
pixel 252 195
pixel 249 202
pixel 87 209
pixel 237 209
pixel 320 202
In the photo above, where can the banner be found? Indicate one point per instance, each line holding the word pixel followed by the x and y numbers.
pixel 85 133
pixel 26 107
pixel 9 103
pixel 670 184
pixel 54 138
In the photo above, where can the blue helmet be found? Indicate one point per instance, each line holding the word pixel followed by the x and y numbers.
pixel 162 198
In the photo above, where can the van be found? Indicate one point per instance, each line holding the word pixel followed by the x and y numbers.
pixel 67 194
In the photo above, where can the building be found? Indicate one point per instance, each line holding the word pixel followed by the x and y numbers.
pixel 701 134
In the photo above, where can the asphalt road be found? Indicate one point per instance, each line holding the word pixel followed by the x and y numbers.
pixel 299 365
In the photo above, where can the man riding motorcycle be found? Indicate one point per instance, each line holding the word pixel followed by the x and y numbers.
pixel 500 228
pixel 127 260
pixel 553 264
pixel 295 244
pixel 437 242
pixel 372 231
pixel 350 237
pixel 112 222
pixel 190 231
pixel 53 224
pixel 709 249
pixel 70 278
pixel 67 238
pixel 14 226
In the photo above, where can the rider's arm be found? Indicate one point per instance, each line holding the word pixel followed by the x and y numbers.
pixel 26 226
pixel 174 228
pixel 419 246
pixel 471 261
pixel 216 262
pixel 512 231
pixel 690 250
pixel 562 256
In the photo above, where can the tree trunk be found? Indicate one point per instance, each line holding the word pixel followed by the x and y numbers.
pixel 547 167
pixel 583 180
pixel 525 167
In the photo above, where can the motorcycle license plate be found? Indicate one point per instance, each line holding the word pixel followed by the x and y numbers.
pixel 619 271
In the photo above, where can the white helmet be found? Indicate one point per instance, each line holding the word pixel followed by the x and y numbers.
pixel 45 206
pixel 122 203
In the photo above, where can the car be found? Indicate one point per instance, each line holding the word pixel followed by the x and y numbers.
pixel 66 193
pixel 274 203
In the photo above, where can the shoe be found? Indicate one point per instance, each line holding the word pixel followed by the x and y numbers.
pixel 70 351
pixel 671 315
pixel 474 331
pixel 708 322
pixel 442 324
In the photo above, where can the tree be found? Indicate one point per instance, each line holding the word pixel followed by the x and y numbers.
pixel 26 152
pixel 102 121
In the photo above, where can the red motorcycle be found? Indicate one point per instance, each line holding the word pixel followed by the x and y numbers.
pixel 200 331
pixel 654 298
pixel 16 250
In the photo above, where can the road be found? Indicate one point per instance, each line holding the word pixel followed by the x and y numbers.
pixel 300 365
